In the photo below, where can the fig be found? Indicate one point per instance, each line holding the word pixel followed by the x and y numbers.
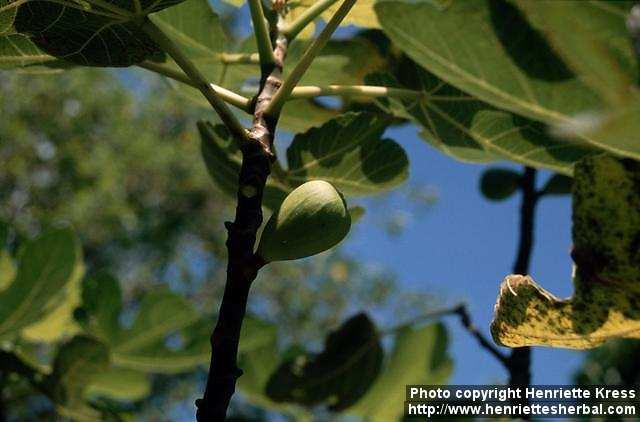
pixel 310 220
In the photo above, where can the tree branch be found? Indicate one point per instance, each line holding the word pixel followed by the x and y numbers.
pixel 243 265
pixel 197 78
pixel 519 362
pixel 228 96
pixel 274 108
pixel 309 15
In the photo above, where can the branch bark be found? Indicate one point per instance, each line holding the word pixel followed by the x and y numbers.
pixel 243 264
pixel 519 361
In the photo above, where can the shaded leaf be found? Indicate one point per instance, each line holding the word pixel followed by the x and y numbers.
pixel 45 266
pixel 339 375
pixel 154 342
pixel 120 384
pixel 76 363
pixel 419 356
pixel 558 184
pixel 257 366
pixel 606 300
pixel 498 184
pixel 94 33
pixel 349 153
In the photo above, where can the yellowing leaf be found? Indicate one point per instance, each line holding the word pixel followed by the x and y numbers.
pixel 59 322
pixel 606 301
pixel 7 269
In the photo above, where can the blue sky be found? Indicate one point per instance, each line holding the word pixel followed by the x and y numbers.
pixel 461 249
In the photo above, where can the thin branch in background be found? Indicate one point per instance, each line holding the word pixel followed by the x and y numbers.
pixel 227 95
pixel 465 320
pixel 309 15
pixel 227 117
pixel 309 55
pixel 265 49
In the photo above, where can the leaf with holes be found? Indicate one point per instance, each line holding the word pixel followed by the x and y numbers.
pixel 606 299
pixel 339 375
pixel 92 33
pixel 350 153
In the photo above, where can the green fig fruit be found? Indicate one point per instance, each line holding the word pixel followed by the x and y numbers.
pixel 311 219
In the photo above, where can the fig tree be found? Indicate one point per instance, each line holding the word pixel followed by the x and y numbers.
pixel 311 219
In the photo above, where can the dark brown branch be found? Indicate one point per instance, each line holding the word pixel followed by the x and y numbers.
pixel 243 264
pixel 519 362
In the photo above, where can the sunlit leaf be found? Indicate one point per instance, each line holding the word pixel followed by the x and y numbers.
pixel 45 266
pixel 59 323
pixel 349 153
pixel 339 375
pixel 7 269
pixel 470 130
pixel 606 300
pixel 419 356
pixel 598 47
pixel 17 50
pixel 489 50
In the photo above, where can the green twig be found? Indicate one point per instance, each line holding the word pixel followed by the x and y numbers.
pixel 265 49
pixel 237 100
pixel 309 15
pixel 353 91
pixel 239 58
pixel 307 58
pixel 187 66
